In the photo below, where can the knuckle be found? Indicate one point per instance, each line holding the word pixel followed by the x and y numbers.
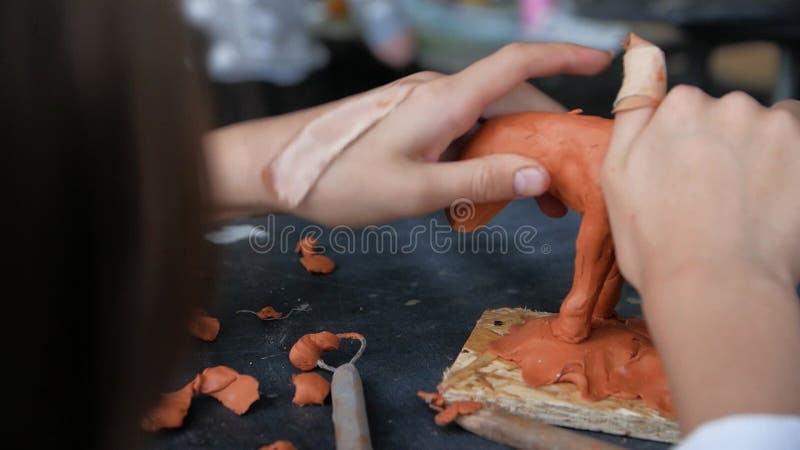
pixel 481 184
pixel 738 100
pixel 512 50
pixel 427 75
pixel 683 93
pixel 782 120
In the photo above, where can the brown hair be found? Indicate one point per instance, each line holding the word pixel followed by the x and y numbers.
pixel 105 173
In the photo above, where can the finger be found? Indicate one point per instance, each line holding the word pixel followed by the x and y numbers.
pixel 627 126
pixel 522 98
pixel 491 78
pixel 793 106
pixel 551 206
pixel 481 180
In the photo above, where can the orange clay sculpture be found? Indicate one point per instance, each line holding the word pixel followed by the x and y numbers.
pixel 572 147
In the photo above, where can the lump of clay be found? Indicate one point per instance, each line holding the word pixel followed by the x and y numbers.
pixel 237 392
pixel 268 312
pixel 306 246
pixel 307 350
pixel 278 445
pixel 313 262
pixel 318 264
pixel 234 390
pixel 170 411
pixel 203 326
pixel 453 410
pixel 310 389
pixel 447 412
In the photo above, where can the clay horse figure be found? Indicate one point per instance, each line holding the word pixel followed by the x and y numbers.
pixel 571 146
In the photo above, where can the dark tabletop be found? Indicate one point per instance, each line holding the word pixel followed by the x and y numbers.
pixel 416 307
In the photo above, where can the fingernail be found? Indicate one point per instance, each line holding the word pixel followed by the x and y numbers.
pixel 529 182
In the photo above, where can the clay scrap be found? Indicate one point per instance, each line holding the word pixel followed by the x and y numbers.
pixel 234 390
pixel 310 389
pixel 278 445
pixel 447 412
pixel 203 326
pixel 308 248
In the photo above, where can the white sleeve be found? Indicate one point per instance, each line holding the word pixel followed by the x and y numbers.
pixel 746 431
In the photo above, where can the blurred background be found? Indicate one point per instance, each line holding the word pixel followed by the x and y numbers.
pixel 268 57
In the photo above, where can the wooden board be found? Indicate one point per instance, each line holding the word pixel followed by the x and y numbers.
pixel 482 377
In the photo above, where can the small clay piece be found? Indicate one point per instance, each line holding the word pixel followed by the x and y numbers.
pixel 318 264
pixel 237 392
pixel 310 389
pixel 619 360
pixel 278 445
pixel 306 246
pixel 234 390
pixel 432 398
pixel 307 350
pixel 170 411
pixel 447 412
pixel 268 312
pixel 203 326
pixel 453 410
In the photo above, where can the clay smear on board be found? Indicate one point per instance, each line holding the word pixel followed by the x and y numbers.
pixel 313 262
pixel 310 389
pixel 617 360
pixel 447 412
pixel 234 390
pixel 203 326
pixel 278 445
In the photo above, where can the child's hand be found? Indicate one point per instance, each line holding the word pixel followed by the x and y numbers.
pixel 393 170
pixel 703 197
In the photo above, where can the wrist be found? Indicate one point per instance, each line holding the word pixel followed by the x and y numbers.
pixel 235 156
pixel 729 339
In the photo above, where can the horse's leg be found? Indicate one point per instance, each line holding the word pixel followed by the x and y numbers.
pixel 594 254
pixel 609 296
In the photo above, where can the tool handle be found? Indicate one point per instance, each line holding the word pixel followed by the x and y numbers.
pixel 528 434
pixel 349 411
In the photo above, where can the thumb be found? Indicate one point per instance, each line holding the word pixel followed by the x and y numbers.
pixel 482 180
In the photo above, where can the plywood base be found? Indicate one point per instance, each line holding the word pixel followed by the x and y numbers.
pixel 482 377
